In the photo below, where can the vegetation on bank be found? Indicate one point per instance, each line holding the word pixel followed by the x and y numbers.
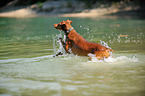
pixel 89 3
pixel 20 8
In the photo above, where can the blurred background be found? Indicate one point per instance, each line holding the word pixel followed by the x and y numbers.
pixel 47 7
pixel 27 46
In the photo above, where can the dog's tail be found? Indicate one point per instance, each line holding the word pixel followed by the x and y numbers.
pixel 109 50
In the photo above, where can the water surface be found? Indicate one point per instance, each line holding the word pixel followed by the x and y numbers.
pixel 27 65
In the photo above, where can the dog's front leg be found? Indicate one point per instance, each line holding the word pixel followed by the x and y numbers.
pixel 67 47
pixel 63 44
pixel 59 53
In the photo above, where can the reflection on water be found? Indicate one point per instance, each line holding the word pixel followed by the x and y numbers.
pixel 27 66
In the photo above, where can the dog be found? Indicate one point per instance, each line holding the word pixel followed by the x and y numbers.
pixel 78 45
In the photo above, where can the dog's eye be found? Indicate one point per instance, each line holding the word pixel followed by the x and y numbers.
pixel 58 25
pixel 63 25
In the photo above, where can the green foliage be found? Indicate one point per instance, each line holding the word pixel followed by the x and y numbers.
pixel 40 4
pixel 69 4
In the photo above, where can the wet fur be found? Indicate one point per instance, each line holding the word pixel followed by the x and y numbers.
pixel 79 45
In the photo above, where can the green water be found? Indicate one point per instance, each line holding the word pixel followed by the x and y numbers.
pixel 27 66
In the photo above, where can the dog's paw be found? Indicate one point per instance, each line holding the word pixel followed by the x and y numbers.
pixel 60 53
pixel 60 38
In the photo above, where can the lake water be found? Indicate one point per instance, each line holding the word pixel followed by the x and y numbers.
pixel 28 68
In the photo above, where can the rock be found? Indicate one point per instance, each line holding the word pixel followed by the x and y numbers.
pixel 62 6
pixel 53 5
pixel 62 10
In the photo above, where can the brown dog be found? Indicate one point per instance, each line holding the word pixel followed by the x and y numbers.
pixel 78 44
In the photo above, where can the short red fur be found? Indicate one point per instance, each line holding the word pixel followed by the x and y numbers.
pixel 79 45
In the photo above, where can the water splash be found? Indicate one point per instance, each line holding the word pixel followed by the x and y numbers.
pixel 104 44
pixel 125 38
pixel 112 59
pixel 57 45
pixel 87 31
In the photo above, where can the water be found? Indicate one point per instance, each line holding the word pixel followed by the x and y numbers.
pixel 28 68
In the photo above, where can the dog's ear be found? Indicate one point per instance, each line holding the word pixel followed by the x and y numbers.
pixel 62 23
pixel 69 21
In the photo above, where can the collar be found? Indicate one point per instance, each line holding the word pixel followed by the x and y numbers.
pixel 69 30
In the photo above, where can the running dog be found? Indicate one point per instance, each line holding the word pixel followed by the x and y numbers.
pixel 78 45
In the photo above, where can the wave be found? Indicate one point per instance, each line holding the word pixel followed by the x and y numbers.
pixel 121 58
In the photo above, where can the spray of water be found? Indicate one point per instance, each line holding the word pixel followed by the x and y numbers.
pixel 104 44
pixel 58 47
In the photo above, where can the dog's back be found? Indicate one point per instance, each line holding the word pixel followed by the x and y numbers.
pixel 79 45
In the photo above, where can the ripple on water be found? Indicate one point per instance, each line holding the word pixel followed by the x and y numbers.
pixel 20 86
pixel 48 75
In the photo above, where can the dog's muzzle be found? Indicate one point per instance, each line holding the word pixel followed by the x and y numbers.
pixel 55 25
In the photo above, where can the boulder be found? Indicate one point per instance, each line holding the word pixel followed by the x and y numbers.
pixel 62 6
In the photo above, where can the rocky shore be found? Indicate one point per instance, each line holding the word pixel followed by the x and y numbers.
pixel 72 8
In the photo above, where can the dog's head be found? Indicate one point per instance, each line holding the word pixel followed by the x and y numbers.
pixel 64 25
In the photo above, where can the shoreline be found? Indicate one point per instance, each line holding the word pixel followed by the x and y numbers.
pixel 96 12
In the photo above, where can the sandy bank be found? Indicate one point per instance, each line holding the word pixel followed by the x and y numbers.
pixel 28 12
pixel 92 12
pixel 25 12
